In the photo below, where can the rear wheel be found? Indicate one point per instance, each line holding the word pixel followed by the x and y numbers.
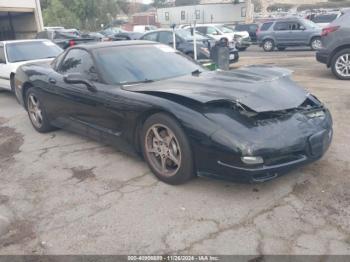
pixel 37 112
pixel 268 45
pixel 341 64
pixel 316 43
pixel 166 149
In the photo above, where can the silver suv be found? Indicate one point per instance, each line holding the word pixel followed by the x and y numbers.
pixel 286 32
pixel 335 52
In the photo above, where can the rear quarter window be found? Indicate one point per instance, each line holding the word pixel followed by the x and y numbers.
pixel 266 26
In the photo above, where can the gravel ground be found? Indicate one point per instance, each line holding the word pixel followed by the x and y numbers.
pixel 64 194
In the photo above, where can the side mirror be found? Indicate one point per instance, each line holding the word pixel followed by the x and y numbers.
pixel 75 78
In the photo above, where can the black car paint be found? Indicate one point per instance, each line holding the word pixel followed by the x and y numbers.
pixel 219 135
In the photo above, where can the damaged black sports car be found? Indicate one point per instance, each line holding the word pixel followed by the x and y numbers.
pixel 251 124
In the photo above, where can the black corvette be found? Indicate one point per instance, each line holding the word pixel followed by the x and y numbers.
pixel 251 124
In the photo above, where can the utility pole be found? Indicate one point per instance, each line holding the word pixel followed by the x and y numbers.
pixel 249 17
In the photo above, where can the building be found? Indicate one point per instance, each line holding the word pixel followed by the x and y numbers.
pixel 202 13
pixel 20 19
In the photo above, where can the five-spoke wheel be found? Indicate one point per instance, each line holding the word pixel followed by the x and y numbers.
pixel 166 149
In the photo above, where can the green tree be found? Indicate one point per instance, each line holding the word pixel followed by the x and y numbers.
pixel 56 14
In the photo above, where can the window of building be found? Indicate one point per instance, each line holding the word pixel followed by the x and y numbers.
pixel 166 16
pixel 243 12
pixel 198 14
pixel 183 15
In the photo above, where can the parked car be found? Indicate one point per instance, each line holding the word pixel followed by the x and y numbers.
pixel 287 32
pixel 251 124
pixel 16 53
pixel 184 41
pixel 144 28
pixel 335 52
pixel 95 35
pixel 111 31
pixel 323 20
pixel 250 28
pixel 65 37
pixel 219 31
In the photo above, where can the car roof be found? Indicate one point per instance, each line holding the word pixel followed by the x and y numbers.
pixel 24 41
pixel 93 46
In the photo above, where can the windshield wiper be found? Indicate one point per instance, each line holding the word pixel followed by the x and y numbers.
pixel 137 82
pixel 196 72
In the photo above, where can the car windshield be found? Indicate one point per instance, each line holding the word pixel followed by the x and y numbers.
pixel 25 51
pixel 309 23
pixel 123 65
pixel 224 29
pixel 186 34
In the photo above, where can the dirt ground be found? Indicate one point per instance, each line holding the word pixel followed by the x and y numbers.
pixel 64 194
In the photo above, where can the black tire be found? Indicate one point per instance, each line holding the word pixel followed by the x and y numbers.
pixel 334 63
pixel 45 126
pixel 313 45
pixel 281 48
pixel 268 45
pixel 185 170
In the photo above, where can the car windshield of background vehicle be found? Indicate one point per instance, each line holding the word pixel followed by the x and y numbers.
pixel 309 23
pixel 225 29
pixel 186 34
pixel 25 51
pixel 125 65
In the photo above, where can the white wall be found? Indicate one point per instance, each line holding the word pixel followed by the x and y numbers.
pixel 209 13
pixel 29 22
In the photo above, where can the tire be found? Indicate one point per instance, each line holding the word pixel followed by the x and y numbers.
pixel 268 45
pixel 281 48
pixel 337 62
pixel 169 143
pixel 41 124
pixel 316 43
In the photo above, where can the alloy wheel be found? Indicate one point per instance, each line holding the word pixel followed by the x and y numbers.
pixel 316 44
pixel 268 45
pixel 163 150
pixel 342 65
pixel 35 112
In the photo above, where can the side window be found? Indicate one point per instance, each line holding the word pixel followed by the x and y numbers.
pixel 2 55
pixel 55 63
pixel 79 61
pixel 212 31
pixel 151 37
pixel 281 26
pixel 266 26
pixel 165 37
pixel 294 26
pixel 201 30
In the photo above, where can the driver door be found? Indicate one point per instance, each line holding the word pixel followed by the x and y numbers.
pixel 78 108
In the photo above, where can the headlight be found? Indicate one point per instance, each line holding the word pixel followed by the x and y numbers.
pixel 252 160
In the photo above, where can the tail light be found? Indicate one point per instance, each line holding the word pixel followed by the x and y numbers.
pixel 328 30
pixel 72 43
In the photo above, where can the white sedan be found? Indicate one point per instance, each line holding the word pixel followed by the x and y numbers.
pixel 18 52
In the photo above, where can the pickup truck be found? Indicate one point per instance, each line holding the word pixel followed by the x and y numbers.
pixel 65 38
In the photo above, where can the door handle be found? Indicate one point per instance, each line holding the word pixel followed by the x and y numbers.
pixel 52 81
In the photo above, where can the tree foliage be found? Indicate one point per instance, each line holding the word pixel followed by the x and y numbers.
pixel 82 14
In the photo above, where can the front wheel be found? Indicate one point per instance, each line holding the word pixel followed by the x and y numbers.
pixel 316 43
pixel 166 149
pixel 268 45
pixel 36 111
pixel 341 64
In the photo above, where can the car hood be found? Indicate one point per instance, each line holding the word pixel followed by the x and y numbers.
pixel 14 66
pixel 260 88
